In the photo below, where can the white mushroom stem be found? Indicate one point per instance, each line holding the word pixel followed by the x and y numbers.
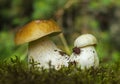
pixel 44 51
pixel 91 56
pixel 87 58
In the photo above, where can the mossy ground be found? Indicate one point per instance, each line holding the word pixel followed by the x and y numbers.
pixel 17 72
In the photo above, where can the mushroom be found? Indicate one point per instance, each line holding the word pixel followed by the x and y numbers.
pixel 41 49
pixel 84 54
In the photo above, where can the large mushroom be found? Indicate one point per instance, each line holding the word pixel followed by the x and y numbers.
pixel 84 54
pixel 41 49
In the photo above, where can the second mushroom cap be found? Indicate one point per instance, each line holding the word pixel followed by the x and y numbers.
pixel 85 40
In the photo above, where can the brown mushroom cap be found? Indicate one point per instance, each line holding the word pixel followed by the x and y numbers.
pixel 35 30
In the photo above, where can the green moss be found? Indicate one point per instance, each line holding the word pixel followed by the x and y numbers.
pixel 17 72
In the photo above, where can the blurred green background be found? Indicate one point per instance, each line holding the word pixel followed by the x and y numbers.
pixel 98 17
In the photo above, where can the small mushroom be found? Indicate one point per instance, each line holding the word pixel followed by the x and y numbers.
pixel 41 49
pixel 84 52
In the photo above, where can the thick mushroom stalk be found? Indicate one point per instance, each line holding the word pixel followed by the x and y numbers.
pixel 44 51
pixel 84 54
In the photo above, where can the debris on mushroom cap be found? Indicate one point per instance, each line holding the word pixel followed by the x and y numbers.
pixel 85 40
pixel 35 30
